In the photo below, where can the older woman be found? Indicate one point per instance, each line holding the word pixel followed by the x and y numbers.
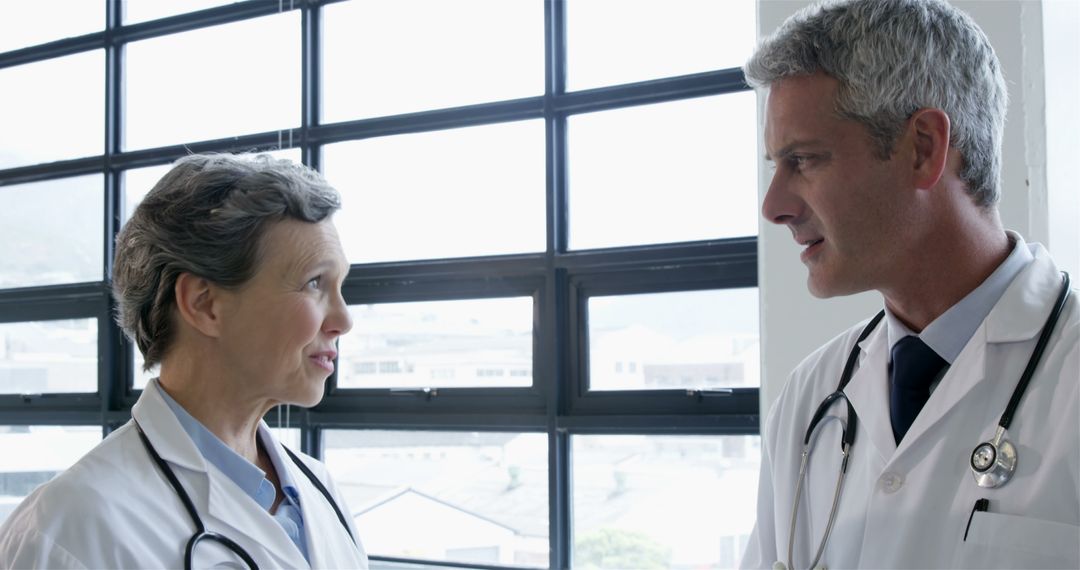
pixel 229 276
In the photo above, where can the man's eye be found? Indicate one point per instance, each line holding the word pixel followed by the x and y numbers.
pixel 314 283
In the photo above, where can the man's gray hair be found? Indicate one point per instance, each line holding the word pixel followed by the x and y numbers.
pixel 206 217
pixel 892 58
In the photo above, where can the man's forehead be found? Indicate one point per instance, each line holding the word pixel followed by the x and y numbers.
pixel 804 90
pixel 800 110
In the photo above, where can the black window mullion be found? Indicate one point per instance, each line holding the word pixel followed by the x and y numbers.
pixel 553 320
pixel 311 438
pixel 311 155
pixel 42 415
pixel 215 16
pixel 717 82
pixel 58 48
pixel 113 370
pixel 311 76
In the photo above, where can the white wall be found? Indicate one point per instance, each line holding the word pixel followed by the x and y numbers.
pixel 1061 50
pixel 793 323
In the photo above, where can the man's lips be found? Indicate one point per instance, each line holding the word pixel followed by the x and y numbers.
pixel 812 246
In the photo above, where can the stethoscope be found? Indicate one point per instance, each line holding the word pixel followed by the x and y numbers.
pixel 201 533
pixel 992 462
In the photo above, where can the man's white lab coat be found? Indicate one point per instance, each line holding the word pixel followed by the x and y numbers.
pixel 115 509
pixel 908 506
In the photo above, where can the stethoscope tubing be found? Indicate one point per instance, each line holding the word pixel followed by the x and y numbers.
pixel 846 441
pixel 1036 355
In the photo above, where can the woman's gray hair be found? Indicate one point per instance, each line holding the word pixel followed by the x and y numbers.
pixel 892 58
pixel 206 217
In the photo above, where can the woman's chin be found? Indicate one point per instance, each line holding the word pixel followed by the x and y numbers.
pixel 309 398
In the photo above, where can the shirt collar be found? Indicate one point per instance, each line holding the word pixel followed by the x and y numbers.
pixel 239 470
pixel 273 450
pixel 948 334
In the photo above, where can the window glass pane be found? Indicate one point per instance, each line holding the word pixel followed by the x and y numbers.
pixel 42 357
pixel 392 56
pixel 26 24
pixel 447 496
pixel 142 377
pixel 139 181
pixel 207 84
pixel 480 343
pixel 689 339
pixel 637 500
pixel 622 41
pixel 143 10
pixel 53 109
pixel 289 437
pixel 35 454
pixel 669 172
pixel 454 193
pixel 51 232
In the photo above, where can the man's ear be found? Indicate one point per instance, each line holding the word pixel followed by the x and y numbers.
pixel 198 303
pixel 931 131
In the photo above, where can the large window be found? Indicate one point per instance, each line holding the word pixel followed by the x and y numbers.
pixel 550 208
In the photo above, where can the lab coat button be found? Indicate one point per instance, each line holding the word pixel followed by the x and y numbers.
pixel 891 482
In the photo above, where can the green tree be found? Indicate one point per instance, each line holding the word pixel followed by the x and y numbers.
pixel 615 549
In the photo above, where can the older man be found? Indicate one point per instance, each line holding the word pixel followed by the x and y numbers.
pixel 884 119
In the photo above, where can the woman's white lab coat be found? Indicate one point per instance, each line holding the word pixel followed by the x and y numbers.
pixel 909 506
pixel 115 509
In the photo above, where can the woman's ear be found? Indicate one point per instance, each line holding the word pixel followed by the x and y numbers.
pixel 198 304
pixel 932 133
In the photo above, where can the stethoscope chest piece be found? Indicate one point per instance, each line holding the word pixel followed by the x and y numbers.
pixel 993 462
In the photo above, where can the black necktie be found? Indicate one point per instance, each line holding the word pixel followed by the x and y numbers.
pixel 914 368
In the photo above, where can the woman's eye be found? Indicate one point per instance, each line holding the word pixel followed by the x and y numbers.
pixel 314 283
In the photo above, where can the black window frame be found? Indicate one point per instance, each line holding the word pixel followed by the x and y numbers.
pixel 558 279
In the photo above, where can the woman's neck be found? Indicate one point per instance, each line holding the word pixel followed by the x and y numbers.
pixel 219 403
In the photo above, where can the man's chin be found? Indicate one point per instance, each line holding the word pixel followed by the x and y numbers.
pixel 824 288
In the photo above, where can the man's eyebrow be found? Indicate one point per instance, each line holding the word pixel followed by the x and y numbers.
pixel 787 150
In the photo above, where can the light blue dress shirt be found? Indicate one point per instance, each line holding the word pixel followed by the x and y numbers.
pixel 948 334
pixel 246 475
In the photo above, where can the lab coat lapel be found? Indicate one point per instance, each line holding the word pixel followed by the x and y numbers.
pixel 321 526
pixel 165 432
pixel 964 374
pixel 868 392
pixel 1022 311
pixel 223 506
pixel 330 544
pixel 237 515
pixel 1017 317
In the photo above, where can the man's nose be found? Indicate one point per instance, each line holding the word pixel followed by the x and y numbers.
pixel 781 205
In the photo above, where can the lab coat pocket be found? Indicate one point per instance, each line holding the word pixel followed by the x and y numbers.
pixel 997 540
